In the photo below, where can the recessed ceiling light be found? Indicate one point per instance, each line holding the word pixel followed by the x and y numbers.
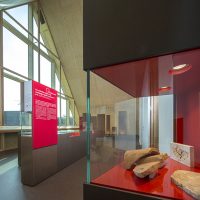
pixel 164 89
pixel 179 69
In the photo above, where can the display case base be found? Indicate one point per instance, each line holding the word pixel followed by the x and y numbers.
pixel 160 186
pixel 97 192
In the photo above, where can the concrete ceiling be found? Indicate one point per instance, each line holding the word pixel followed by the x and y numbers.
pixel 65 21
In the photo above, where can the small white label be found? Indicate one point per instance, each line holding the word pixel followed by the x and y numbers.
pixel 182 153
pixel 28 96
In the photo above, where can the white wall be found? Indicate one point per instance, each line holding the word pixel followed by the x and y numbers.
pixel 130 107
pixel 129 140
pixel 144 122
pixel 165 106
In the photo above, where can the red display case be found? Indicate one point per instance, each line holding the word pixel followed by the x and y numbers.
pixel 150 103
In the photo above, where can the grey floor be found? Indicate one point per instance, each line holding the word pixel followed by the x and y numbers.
pixel 65 185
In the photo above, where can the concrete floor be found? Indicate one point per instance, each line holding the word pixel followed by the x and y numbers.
pixel 65 185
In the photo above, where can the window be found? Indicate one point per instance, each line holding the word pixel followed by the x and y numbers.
pixel 15 53
pixel 20 14
pixel 12 102
pixel 35 33
pixel 58 107
pixel 63 112
pixel 45 71
pixel 35 65
pixel 57 82
pixel 22 56
pixel 12 99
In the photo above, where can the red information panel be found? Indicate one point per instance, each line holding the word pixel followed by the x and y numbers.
pixel 44 115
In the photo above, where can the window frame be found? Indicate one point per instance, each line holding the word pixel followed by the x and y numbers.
pixel 56 66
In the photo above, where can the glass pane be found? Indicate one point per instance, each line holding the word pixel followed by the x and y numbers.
pixel 35 65
pixel 41 40
pixel 42 47
pixel 15 53
pixel 57 83
pixel 144 121
pixel 45 71
pixel 113 124
pixel 35 31
pixel 58 106
pixel 20 14
pixel 12 97
pixel 63 112
pixel 59 111
pixel 137 105
pixel 71 112
pixel 166 124
pixel 187 98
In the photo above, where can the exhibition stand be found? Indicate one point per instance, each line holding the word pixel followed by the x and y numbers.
pixel 44 148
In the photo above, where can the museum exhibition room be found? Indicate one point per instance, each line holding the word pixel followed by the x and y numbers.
pixel 99 99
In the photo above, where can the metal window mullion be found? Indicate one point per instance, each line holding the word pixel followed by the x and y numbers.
pixel 12 77
pixel 16 5
pixel 88 174
pixel 9 70
pixel 53 75
pixel 30 47
pixel 19 35
pixel 37 39
pixel 1 70
pixel 67 111
pixel 39 50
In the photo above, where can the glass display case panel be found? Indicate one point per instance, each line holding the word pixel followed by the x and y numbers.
pixel 26 124
pixel 137 105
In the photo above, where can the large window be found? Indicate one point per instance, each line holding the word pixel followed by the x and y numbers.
pixel 45 71
pixel 35 65
pixel 20 14
pixel 57 83
pixel 26 57
pixel 12 102
pixel 15 53
pixel 63 112
pixel 12 97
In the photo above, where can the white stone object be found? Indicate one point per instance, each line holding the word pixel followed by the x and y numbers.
pixel 147 169
pixel 182 153
pixel 187 181
pixel 132 156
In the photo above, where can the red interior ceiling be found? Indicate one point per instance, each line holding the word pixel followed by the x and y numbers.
pixel 145 77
